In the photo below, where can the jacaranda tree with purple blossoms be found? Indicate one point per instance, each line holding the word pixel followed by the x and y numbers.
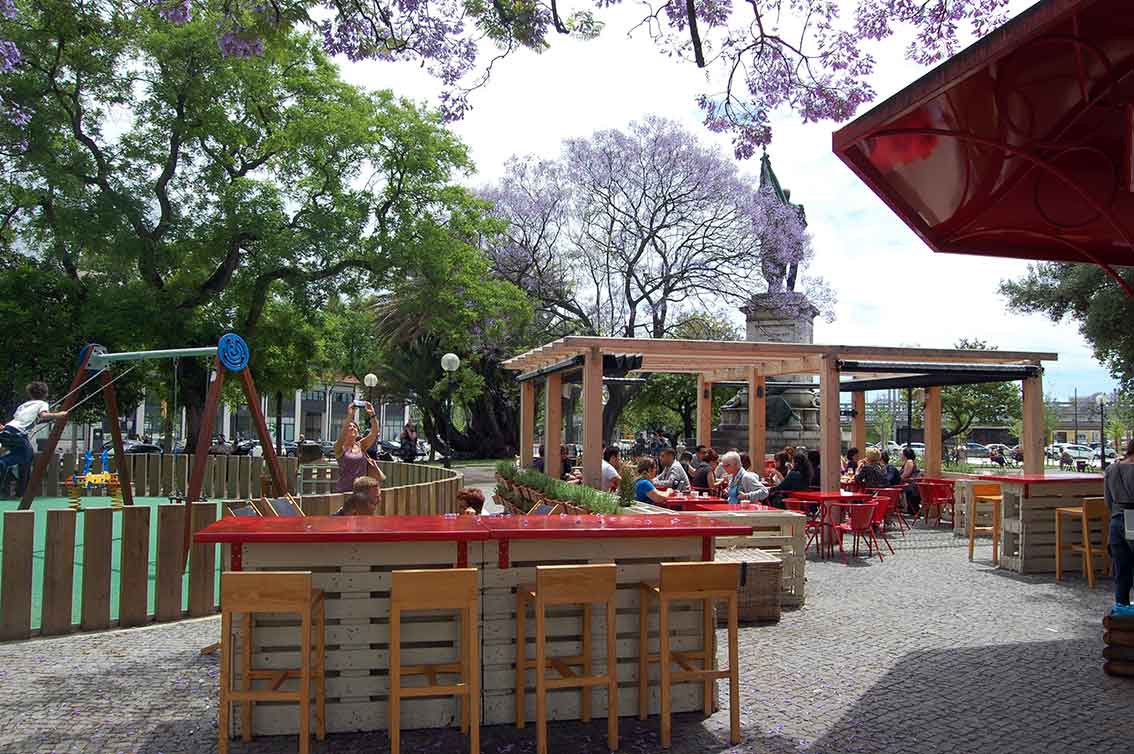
pixel 631 232
pixel 812 56
pixel 180 190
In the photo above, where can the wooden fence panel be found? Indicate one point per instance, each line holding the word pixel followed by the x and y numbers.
pixel 50 484
pixel 98 542
pixel 202 564
pixel 180 473
pixel 290 468
pixel 134 566
pixel 165 487
pixel 170 531
pixel 16 579
pixel 58 572
pixel 232 477
pixel 254 476
pixel 68 469
pixel 153 471
pixel 139 471
pixel 220 473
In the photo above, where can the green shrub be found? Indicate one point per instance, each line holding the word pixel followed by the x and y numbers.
pixel 627 488
pixel 506 469
pixel 575 494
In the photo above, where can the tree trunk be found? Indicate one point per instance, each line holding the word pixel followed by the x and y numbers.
pixel 620 397
pixel 194 385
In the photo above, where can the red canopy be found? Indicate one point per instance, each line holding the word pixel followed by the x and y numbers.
pixel 1019 146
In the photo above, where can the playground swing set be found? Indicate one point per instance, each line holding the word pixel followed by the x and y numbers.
pixel 230 355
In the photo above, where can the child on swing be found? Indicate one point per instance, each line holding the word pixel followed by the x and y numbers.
pixel 15 436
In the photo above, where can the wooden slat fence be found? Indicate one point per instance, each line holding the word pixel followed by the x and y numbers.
pixel 160 475
pixel 102 560
pixel 410 489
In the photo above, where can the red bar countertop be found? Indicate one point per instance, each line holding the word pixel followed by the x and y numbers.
pixel 1041 478
pixel 241 530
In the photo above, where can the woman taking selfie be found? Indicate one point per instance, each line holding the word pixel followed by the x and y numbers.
pixel 350 449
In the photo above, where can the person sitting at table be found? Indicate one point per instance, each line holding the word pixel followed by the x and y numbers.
pixel 869 474
pixel 369 486
pixel 470 500
pixel 744 486
pixel 566 465
pixel 796 479
pixel 699 455
pixel 851 464
pixel 746 462
pixel 890 471
pixel 813 459
pixel 909 476
pixel 611 464
pixel 687 463
pixel 644 489
pixel 789 451
pixel 358 504
pixel 705 475
pixel 672 474
pixel 780 469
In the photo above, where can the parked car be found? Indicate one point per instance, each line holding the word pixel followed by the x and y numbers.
pixel 130 446
pixel 1080 452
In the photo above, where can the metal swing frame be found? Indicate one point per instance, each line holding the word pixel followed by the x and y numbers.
pixel 229 355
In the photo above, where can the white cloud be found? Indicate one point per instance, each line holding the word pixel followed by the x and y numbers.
pixel 892 289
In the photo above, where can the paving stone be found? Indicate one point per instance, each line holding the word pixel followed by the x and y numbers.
pixel 923 653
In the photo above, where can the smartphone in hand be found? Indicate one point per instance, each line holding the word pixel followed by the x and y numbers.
pixel 359 404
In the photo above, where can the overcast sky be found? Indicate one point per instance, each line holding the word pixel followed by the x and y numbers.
pixel 892 290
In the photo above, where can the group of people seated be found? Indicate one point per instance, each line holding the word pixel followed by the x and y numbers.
pixel 366 495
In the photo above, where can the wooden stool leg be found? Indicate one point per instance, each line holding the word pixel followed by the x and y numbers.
pixel 733 671
pixel 473 681
pixel 541 678
pixel 463 700
pixel 224 724
pixel 521 653
pixel 394 707
pixel 664 661
pixel 1058 547
pixel 996 532
pixel 1088 564
pixel 972 526
pixel 246 679
pixel 588 665
pixel 709 632
pixel 305 684
pixel 643 653
pixel 321 679
pixel 612 674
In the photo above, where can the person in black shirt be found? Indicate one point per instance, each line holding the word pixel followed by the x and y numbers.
pixel 869 474
pixel 890 471
pixel 796 479
pixel 704 475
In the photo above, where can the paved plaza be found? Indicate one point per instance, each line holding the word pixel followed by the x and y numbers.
pixel 923 653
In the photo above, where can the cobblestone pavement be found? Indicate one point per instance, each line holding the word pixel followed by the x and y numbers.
pixel 924 653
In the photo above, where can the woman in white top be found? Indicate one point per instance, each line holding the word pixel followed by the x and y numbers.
pixel 15 436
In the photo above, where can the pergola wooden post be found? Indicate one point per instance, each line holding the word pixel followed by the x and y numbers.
pixel 757 420
pixel 704 410
pixel 527 422
pixel 858 423
pixel 592 417
pixel 932 424
pixel 1032 442
pixel 830 430
pixel 552 423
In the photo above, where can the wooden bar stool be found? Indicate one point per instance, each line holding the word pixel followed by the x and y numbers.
pixel 439 589
pixel 1092 507
pixel 988 494
pixel 706 583
pixel 568 585
pixel 249 592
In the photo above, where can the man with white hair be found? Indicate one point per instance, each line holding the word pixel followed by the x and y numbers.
pixel 744 486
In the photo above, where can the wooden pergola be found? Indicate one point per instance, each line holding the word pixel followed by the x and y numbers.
pixel 867 367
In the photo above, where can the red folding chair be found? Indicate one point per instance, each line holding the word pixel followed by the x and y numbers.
pixel 930 502
pixel 881 513
pixel 859 523
pixel 894 509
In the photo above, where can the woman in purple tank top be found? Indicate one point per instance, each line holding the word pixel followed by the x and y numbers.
pixel 350 449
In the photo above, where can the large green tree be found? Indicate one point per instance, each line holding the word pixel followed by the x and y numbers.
pixel 171 192
pixel 987 404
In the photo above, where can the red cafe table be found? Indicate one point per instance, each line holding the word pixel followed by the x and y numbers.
pixel 827 512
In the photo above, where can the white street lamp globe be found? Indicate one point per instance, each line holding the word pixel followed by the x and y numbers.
pixel 1100 399
pixel 450 362
pixel 370 380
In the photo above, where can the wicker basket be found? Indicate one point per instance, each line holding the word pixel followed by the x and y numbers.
pixel 761 585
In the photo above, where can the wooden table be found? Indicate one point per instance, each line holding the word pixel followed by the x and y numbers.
pixel 351 559
pixel 1027 529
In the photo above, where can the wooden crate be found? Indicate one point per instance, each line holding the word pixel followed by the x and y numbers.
pixel 356 577
pixel 1027 542
pixel 759 592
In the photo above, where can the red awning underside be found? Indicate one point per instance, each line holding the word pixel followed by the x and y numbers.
pixel 1019 146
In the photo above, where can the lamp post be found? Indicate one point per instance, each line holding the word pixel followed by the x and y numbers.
pixel 450 362
pixel 1101 399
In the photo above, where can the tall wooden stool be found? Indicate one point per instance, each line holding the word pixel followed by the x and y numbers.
pixel 1092 507
pixel 706 583
pixel 568 585
pixel 247 593
pixel 987 494
pixel 440 589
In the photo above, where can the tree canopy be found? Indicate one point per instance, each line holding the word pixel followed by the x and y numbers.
pixel 178 191
pixel 812 56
